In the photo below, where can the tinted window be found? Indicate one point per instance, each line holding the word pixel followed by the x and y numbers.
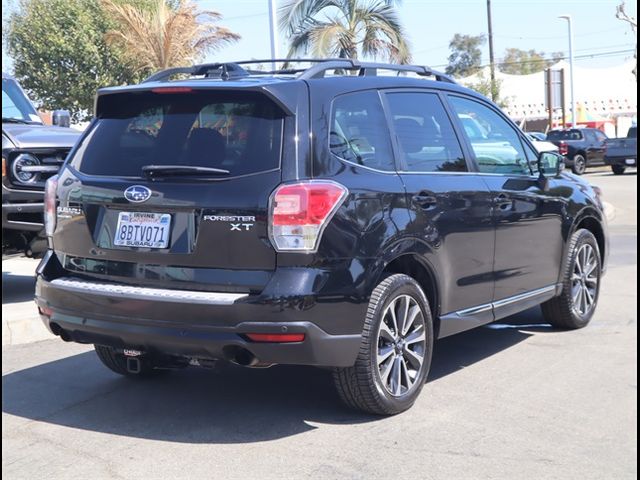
pixel 241 133
pixel 359 132
pixel 495 143
pixel 633 132
pixel 426 137
pixel 601 137
pixel 556 135
pixel 15 104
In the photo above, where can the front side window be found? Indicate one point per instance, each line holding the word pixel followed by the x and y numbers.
pixel 359 132
pixel 240 133
pixel 427 140
pixel 15 105
pixel 495 143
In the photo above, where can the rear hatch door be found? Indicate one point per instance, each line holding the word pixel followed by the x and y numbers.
pixel 173 179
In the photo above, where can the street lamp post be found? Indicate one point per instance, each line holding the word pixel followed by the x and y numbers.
pixel 571 84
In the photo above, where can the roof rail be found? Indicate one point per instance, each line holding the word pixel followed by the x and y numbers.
pixel 371 69
pixel 233 70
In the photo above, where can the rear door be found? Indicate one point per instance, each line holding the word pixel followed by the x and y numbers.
pixel 450 206
pixel 114 216
pixel 599 147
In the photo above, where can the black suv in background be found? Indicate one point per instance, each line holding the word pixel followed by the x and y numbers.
pixel 582 147
pixel 329 216
pixel 31 153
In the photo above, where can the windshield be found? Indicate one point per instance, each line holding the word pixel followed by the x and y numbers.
pixel 15 104
pixel 236 132
pixel 555 135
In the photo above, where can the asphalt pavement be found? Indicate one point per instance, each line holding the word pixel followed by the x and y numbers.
pixel 511 400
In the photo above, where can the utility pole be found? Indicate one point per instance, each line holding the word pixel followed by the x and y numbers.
pixel 492 64
pixel 273 30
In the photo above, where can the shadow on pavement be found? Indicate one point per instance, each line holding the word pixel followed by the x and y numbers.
pixel 226 405
pixel 17 288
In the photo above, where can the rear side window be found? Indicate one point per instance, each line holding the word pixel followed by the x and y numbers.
pixel 359 132
pixel 241 133
pixel 426 137
pixel 632 133
pixel 557 135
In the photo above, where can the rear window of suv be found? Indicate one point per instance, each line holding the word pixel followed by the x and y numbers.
pixel 556 135
pixel 238 132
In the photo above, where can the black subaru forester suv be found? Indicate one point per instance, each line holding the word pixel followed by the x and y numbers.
pixel 336 215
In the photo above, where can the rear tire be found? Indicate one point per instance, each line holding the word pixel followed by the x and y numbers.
pixel 117 362
pixel 575 307
pixel 618 169
pixel 395 353
pixel 579 164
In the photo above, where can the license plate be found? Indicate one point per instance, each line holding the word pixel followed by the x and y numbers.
pixel 630 161
pixel 142 229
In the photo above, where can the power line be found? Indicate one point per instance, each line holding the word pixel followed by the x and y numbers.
pixel 547 59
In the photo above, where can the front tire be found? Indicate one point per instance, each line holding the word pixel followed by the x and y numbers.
pixel 395 353
pixel 618 169
pixel 579 164
pixel 575 307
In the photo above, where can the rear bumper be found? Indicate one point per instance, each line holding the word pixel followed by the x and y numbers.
pixel 199 324
pixel 625 161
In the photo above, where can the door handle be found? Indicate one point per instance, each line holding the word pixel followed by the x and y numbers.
pixel 503 202
pixel 425 200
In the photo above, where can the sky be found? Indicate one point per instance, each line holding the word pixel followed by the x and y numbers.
pixel 600 40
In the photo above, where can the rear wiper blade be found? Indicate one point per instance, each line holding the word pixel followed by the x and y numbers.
pixel 153 171
pixel 14 120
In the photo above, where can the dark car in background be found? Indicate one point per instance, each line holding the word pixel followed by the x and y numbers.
pixel 622 153
pixel 31 153
pixel 582 147
pixel 328 216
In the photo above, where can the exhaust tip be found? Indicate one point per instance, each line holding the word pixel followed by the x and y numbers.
pixel 58 331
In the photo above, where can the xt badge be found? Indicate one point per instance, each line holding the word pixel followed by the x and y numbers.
pixel 237 223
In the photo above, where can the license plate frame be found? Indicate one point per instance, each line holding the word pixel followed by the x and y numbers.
pixel 143 230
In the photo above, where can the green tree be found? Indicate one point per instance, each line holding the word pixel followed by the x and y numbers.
pixel 162 34
pixel 466 54
pixel 525 62
pixel 481 83
pixel 345 29
pixel 60 54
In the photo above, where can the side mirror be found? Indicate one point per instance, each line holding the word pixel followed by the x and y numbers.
pixel 550 163
pixel 61 118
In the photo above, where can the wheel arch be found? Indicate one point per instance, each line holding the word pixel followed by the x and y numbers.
pixel 592 224
pixel 412 265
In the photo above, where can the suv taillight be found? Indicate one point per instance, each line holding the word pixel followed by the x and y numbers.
pixel 563 148
pixel 299 213
pixel 50 204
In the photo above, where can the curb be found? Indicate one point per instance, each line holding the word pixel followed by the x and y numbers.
pixel 609 211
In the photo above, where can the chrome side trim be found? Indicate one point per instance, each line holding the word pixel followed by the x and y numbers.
pixel 145 293
pixel 467 312
pixel 523 296
pixel 474 310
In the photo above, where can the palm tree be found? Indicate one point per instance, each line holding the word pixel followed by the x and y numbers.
pixel 345 29
pixel 157 35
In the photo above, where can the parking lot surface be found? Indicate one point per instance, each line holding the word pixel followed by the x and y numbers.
pixel 514 399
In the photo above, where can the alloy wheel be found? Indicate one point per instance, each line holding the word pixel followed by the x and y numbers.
pixel 584 280
pixel 401 345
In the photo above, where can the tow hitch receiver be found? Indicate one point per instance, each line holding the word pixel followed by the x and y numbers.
pixel 133 360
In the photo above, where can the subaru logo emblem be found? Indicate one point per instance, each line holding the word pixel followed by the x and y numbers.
pixel 137 194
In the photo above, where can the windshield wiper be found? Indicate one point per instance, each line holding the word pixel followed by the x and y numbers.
pixel 155 171
pixel 14 120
